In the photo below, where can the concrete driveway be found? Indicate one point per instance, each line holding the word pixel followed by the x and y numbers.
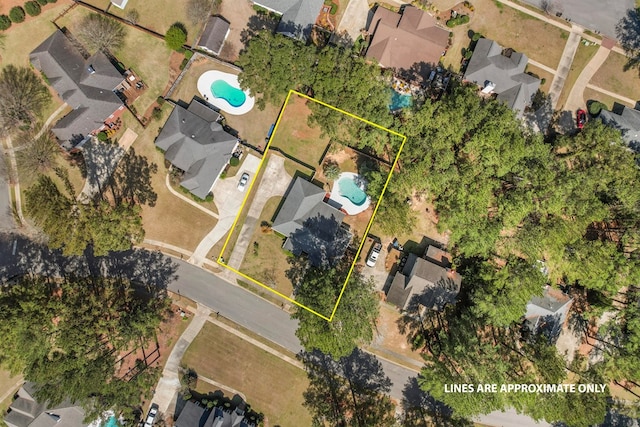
pixel 595 15
pixel 6 213
pixel 228 200
pixel 354 18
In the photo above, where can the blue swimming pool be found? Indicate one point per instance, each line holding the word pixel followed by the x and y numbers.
pixel 111 422
pixel 234 96
pixel 350 190
pixel 399 101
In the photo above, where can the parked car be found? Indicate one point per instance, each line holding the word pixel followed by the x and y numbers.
pixel 373 255
pixel 151 416
pixel 581 118
pixel 244 179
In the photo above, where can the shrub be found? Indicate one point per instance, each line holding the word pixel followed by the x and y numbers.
pixel 16 14
pixel 160 100
pixel 209 198
pixel 176 36
pixel 32 8
pixel 183 63
pixel 156 114
pixel 188 54
pixel 334 9
pixel 468 54
pixel 331 170
pixel 476 37
pixel 5 22
pixel 595 107
pixel 543 81
pixel 102 136
pixel 42 2
pixel 458 20
pixel 234 161
pixel 51 1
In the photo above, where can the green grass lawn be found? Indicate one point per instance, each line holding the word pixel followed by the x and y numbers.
pixel 542 74
pixel 272 386
pixel 582 58
pixel 612 76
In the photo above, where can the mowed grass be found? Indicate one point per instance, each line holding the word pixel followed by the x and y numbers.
pixel 539 40
pixel 612 76
pixel 253 126
pixel 594 95
pixel 542 74
pixel 580 60
pixel 295 137
pixel 272 386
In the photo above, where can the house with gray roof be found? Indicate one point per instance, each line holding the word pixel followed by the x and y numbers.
pixel 547 314
pixel 27 411
pixel 194 142
pixel 428 282
pixel 311 225
pixel 501 71
pixel 215 33
pixel 298 16
pixel 121 4
pixel 195 415
pixel 627 122
pixel 86 84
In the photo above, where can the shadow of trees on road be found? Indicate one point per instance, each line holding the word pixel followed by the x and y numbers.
pixel 628 32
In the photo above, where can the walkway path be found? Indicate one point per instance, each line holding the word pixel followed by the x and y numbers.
pixel 224 386
pixel 631 102
pixel 188 200
pixel 576 96
pixel 274 182
pixel 16 180
pixel 169 384
pixel 51 118
pixel 542 66
pixel 564 66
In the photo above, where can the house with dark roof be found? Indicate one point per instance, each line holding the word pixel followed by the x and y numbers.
pixel 627 121
pixel 194 142
pixel 298 16
pixel 399 40
pixel 428 282
pixel 501 71
pixel 215 33
pixel 195 415
pixel 86 84
pixel 27 411
pixel 546 315
pixel 311 225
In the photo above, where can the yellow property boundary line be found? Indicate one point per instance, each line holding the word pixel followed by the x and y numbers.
pixel 264 156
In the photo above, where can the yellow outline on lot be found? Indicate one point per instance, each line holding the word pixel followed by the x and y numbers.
pixel 264 156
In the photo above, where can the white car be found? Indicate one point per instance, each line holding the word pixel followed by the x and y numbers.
pixel 373 255
pixel 151 416
pixel 244 179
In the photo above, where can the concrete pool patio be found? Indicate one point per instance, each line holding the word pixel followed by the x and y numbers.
pixel 347 204
pixel 208 78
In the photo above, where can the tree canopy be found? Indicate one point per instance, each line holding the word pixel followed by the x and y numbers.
pixel 176 36
pixel 100 32
pixel 23 96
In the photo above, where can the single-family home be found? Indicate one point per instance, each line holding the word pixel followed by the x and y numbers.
pixel 298 16
pixel 196 415
pixel 215 33
pixel 399 40
pixel 426 281
pixel 627 121
pixel 26 411
pixel 547 314
pixel 194 142
pixel 312 225
pixel 500 71
pixel 86 84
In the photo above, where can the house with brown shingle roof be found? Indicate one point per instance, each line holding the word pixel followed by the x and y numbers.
pixel 399 40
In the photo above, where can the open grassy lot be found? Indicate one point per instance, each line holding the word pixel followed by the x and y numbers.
pixel 612 76
pixel 159 15
pixel 583 56
pixel 253 126
pixel 22 38
pixel 543 75
pixel 272 386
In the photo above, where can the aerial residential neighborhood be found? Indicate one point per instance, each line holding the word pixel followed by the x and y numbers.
pixel 319 213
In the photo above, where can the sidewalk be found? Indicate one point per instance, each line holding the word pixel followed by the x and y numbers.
pixel 188 200
pixel 570 49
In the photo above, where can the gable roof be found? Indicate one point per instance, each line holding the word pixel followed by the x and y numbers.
pixel 546 314
pixel 298 16
pixel 628 123
pixel 488 65
pixel 311 226
pixel 426 282
pixel 214 34
pixel 201 148
pixel 401 40
pixel 85 84
pixel 26 411
pixel 193 415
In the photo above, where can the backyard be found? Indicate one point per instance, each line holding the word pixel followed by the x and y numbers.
pixel 612 76
pixel 271 385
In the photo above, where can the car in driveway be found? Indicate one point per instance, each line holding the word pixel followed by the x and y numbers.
pixel 581 118
pixel 373 255
pixel 151 416
pixel 244 179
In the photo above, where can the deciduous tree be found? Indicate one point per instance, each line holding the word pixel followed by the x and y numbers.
pixel 22 97
pixel 99 32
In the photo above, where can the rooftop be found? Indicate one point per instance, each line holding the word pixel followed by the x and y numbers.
pixel 214 34
pixel 298 16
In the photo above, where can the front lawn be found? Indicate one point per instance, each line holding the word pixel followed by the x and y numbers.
pixel 612 77
pixel 271 385
pixel 580 60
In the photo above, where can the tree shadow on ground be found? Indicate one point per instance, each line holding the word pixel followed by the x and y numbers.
pixel 131 181
pixel 257 23
pixel 421 409
pixel 628 32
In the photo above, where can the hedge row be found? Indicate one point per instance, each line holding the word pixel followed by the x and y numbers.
pixel 458 20
pixel 17 14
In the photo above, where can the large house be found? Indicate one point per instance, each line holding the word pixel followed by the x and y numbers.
pixel 215 33
pixel 547 314
pixel 311 225
pixel 26 411
pixel 194 142
pixel 196 415
pixel 627 122
pixel 298 16
pixel 86 84
pixel 399 40
pixel 428 282
pixel 501 71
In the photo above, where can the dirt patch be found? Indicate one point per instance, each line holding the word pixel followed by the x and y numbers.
pixel 389 338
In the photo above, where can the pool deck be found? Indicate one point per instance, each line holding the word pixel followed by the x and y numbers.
pixel 347 205
pixel 204 87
